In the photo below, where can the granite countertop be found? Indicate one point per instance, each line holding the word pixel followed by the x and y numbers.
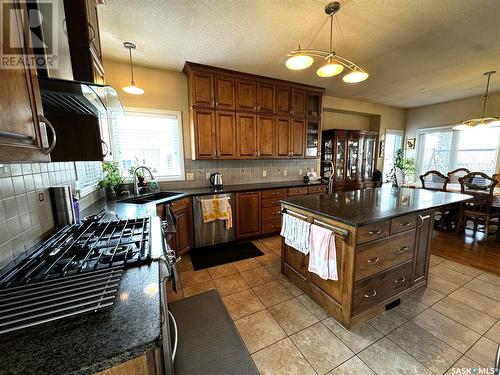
pixel 367 206
pixel 89 343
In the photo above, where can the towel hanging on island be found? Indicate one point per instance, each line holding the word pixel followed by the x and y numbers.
pixel 322 253
pixel 296 233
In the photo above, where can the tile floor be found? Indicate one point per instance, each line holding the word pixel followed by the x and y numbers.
pixel 453 324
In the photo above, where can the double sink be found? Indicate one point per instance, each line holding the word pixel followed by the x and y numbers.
pixel 153 197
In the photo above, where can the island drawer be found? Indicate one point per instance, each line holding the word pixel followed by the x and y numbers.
pixel 372 232
pixel 319 189
pixel 271 202
pixel 383 254
pixel 297 190
pixel 180 204
pixel 376 289
pixel 402 223
pixel 271 226
pixel 269 213
pixel 274 193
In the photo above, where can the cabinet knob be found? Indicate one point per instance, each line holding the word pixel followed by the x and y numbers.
pixel 105 153
pixel 372 293
pixel 402 249
pixel 47 123
pixel 401 280
pixel 92 33
pixel 405 224
pixel 373 232
pixel 374 260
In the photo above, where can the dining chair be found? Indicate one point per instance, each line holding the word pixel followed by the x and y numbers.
pixel 455 174
pixel 496 177
pixel 480 208
pixel 436 181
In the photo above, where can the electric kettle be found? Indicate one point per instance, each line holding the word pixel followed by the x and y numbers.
pixel 215 180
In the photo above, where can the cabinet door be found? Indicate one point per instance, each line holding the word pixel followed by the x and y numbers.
pixel 298 102
pixel 352 157
pixel 204 132
pixel 247 214
pixel 340 156
pixel 369 157
pixel 93 24
pixel 225 93
pixel 312 139
pixel 246 95
pixel 202 89
pixel 266 133
pixel 283 137
pixel 265 97
pixel 21 132
pixel 184 231
pixel 246 135
pixel 297 139
pixel 283 100
pixel 422 246
pixel 226 135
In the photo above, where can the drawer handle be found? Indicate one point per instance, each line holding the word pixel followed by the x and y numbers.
pixel 402 249
pixel 405 224
pixel 400 280
pixel 373 260
pixel 372 232
pixel 370 294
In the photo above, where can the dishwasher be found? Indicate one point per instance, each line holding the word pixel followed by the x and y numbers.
pixel 215 232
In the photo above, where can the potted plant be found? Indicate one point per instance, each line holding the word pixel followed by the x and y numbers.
pixel 111 178
pixel 402 169
pixel 139 174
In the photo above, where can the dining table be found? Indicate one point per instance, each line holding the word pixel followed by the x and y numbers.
pixel 456 188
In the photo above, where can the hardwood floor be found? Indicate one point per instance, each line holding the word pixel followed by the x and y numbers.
pixel 468 248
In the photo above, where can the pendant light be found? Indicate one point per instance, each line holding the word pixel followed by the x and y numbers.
pixel 299 59
pixel 132 89
pixel 482 122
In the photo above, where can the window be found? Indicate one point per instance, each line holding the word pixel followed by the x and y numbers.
pixel 392 143
pixel 150 138
pixel 445 149
pixel 88 175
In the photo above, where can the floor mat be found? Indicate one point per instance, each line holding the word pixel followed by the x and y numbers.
pixel 211 256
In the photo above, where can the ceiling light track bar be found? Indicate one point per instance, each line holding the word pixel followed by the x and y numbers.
pixel 327 55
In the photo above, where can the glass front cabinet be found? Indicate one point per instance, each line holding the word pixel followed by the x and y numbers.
pixel 353 153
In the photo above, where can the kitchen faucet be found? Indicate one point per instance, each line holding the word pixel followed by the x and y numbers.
pixel 134 176
pixel 330 179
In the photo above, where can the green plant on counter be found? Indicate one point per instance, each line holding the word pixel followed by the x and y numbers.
pixel 406 166
pixel 111 178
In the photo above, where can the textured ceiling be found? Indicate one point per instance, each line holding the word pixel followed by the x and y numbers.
pixel 417 52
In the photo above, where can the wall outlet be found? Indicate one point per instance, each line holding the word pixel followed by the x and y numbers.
pixel 41 197
pixel 285 172
pixel 264 173
pixel 300 172
pixel 190 176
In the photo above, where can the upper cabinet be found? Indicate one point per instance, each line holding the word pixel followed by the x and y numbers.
pixel 270 118
pixel 23 130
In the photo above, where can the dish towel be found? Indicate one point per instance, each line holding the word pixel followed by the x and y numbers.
pixel 217 209
pixel 296 233
pixel 322 253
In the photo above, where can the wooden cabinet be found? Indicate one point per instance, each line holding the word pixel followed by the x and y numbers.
pixel 271 117
pixel 266 134
pixel 298 102
pixel 423 241
pixel 224 92
pixel 248 214
pixel 22 132
pixel 246 95
pixel 353 155
pixel 84 40
pixel 225 135
pixel 246 136
pixel 283 100
pixel 204 133
pixel 265 97
pixel 182 241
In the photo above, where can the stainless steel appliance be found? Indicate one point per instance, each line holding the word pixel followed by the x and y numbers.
pixel 62 205
pixel 216 180
pixel 214 232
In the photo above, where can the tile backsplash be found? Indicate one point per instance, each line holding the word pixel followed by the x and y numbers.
pixel 244 171
pixel 24 217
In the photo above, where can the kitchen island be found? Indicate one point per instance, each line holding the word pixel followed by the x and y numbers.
pixel 383 246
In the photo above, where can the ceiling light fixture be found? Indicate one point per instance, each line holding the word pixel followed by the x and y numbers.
pixel 299 59
pixel 132 89
pixel 482 122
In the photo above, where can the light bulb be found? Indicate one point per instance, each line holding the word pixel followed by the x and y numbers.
pixel 133 89
pixel 330 70
pixel 355 77
pixel 299 62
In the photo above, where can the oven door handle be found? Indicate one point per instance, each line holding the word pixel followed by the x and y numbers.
pixel 176 335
